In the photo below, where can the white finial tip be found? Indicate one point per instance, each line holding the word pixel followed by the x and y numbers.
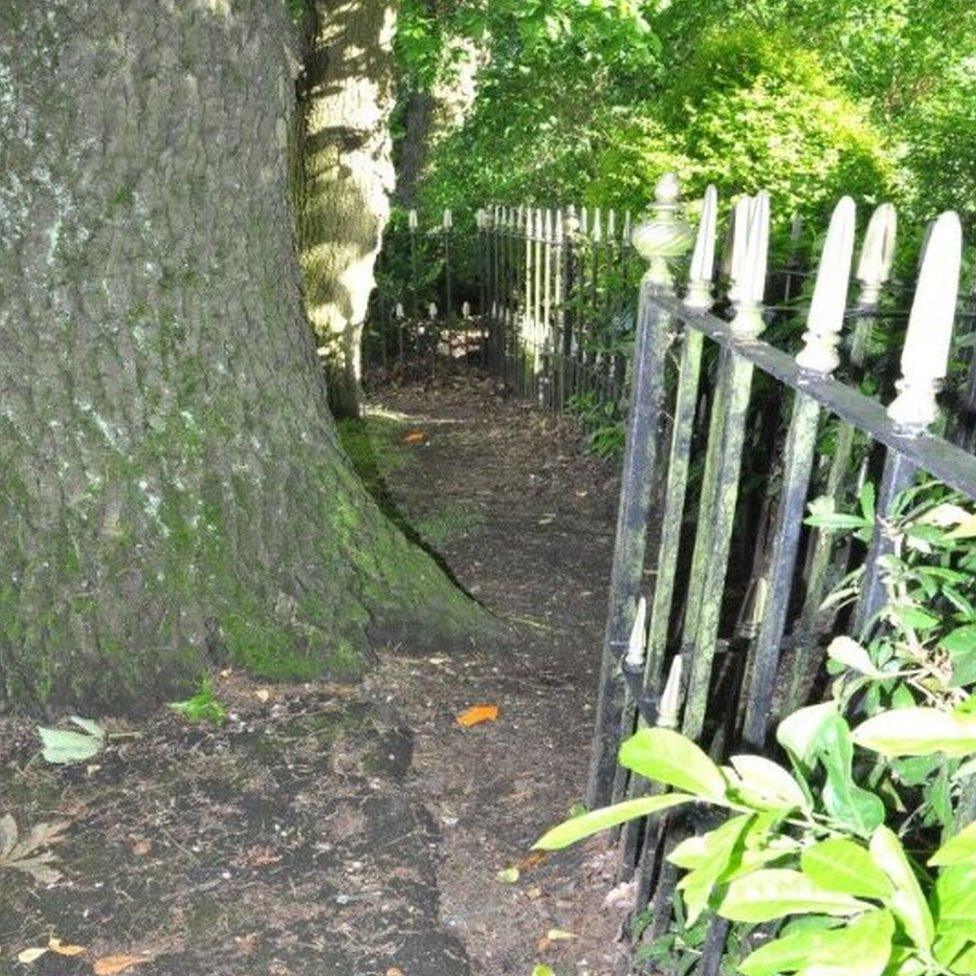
pixel 667 190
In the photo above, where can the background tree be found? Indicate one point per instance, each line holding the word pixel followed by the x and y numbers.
pixel 348 178
pixel 171 487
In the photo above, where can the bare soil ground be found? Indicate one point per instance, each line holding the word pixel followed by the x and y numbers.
pixel 359 830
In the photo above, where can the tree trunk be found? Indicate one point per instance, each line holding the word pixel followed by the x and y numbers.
pixel 430 116
pixel 348 179
pixel 171 487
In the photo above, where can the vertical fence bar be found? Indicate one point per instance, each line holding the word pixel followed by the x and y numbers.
pixel 924 361
pixel 662 237
pixel 873 271
pixel 699 298
pixel 819 358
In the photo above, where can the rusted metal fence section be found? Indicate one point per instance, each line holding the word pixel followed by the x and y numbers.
pixel 687 645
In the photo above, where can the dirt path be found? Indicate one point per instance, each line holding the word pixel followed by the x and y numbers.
pixel 359 831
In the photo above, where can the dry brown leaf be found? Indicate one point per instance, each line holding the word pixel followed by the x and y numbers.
pixel 262 694
pixel 477 714
pixel 141 847
pixel 56 945
pixel 532 860
pixel 395 971
pixel 414 437
pixel 110 965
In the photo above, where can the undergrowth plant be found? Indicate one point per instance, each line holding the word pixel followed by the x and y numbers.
pixel 858 852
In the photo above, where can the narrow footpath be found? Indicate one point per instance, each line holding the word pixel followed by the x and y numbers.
pixel 337 830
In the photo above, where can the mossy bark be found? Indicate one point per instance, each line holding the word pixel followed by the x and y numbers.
pixel 171 486
pixel 348 178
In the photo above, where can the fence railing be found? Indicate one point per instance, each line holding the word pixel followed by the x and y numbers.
pixel 724 447
pixel 691 664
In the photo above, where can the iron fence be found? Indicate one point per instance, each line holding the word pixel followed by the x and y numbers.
pixel 727 393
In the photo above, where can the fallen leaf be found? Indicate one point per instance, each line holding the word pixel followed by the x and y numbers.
pixel 32 954
pixel 395 971
pixel 110 965
pixel 477 714
pixel 414 437
pixel 532 860
pixel 262 694
pixel 559 935
pixel 56 945
pixel 141 847
pixel 508 875
pixel 543 945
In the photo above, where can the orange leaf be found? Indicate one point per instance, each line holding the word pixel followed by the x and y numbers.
pixel 110 965
pixel 414 437
pixel 477 714
pixel 56 945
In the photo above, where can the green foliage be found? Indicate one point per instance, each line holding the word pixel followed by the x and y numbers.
pixel 860 853
pixel 204 706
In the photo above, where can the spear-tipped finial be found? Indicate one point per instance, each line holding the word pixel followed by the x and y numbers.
pixel 571 224
pixel 398 311
pixel 669 711
pixel 597 225
pixel 663 235
pixel 465 310
pixel 703 257
pixel 448 219
pixel 634 658
pixel 432 311
pixel 750 285
pixel 611 226
pixel 826 316
pixel 925 355
pixel 412 219
pixel 877 253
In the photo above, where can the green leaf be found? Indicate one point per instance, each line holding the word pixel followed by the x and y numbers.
pixel 856 808
pixel 917 732
pixel 88 725
pixel 542 970
pixel 852 655
pixel 802 733
pixel 839 864
pixel 906 901
pixel 765 784
pixel 955 898
pixel 63 747
pixel 961 645
pixel 860 948
pixel 775 892
pixel 708 857
pixel 671 758
pixel 958 849
pixel 587 824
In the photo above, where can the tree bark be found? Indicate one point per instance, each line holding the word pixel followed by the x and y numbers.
pixel 348 179
pixel 433 114
pixel 171 487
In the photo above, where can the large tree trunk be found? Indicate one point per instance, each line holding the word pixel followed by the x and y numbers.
pixel 348 178
pixel 171 487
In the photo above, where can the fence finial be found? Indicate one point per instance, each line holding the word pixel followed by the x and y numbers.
pixel 669 711
pixel 448 219
pixel 662 236
pixel 432 311
pixel 703 258
pixel 735 245
pixel 597 225
pixel 925 355
pixel 826 316
pixel 412 219
pixel 877 253
pixel 750 284
pixel 634 658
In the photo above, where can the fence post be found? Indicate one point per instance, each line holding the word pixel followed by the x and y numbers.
pixel 662 237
